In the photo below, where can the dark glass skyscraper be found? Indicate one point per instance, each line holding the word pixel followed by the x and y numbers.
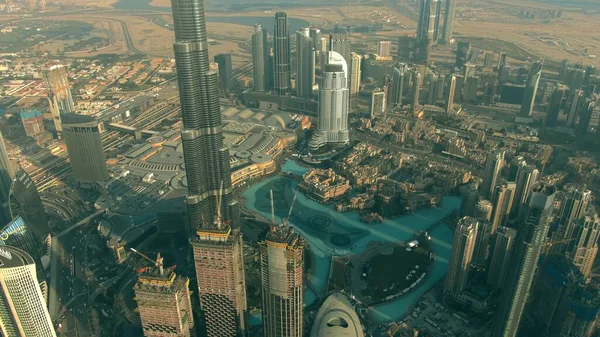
pixel 25 202
pixel 281 49
pixel 206 157
pixel 531 237
pixel 260 54
pixel 225 70
pixel 6 176
pixel 448 21
pixel 531 87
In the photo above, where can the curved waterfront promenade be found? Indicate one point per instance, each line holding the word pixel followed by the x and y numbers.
pixel 329 233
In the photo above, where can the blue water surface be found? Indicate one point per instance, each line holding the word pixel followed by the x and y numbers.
pixel 329 233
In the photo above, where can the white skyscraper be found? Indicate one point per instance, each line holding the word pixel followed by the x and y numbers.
pixel 333 103
pixel 23 311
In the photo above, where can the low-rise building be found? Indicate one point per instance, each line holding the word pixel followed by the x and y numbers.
pixel 324 185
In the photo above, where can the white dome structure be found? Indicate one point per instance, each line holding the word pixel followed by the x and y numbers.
pixel 337 318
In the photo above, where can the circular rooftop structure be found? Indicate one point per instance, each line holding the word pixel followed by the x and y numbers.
pixel 243 154
pixel 337 318
pixel 156 140
pixel 12 257
pixel 261 158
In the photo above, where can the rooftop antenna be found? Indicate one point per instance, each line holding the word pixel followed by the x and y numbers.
pixel 158 263
pixel 286 221
pixel 218 220
pixel 330 42
pixel 272 209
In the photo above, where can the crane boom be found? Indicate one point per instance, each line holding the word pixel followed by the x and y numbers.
pixel 143 255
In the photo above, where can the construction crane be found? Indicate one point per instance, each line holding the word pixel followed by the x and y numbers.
pixel 548 246
pixel 158 263
pixel 286 221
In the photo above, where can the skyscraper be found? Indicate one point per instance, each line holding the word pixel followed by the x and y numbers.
pixel 585 116
pixel 60 100
pixel 341 44
pixel 33 121
pixel 469 196
pixel 206 157
pixel 576 103
pixel 501 250
pixel 216 242
pixel 225 70
pixel 502 200
pixel 315 35
pixel 432 92
pixel 260 53
pixel 483 210
pixel 163 301
pixel 531 235
pixel 417 82
pixel 463 51
pixel 281 50
pixel 25 202
pixel 337 317
pixel 451 93
pixel 554 106
pixel 448 21
pixel 384 48
pixel 378 104
pixel 219 262
pixel 491 173
pixel 333 104
pixel 531 87
pixel 305 63
pixel 397 86
pixel 282 270
pixel 556 283
pixel 527 176
pixel 574 206
pixel 19 234
pixel 6 177
pixel 355 75
pixel 84 145
pixel 583 249
pixel 23 311
pixel 482 243
pixel 581 316
pixel 428 20
pixel 462 252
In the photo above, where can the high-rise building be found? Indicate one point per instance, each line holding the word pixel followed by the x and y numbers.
pixel 6 176
pixel 482 243
pixel 463 52
pixel 428 20
pixel 451 93
pixel 337 317
pixel 531 236
pixel 527 176
pixel 503 242
pixel 225 70
pixel 216 242
pixel 469 196
pixel 206 157
pixel 514 166
pixel 491 174
pixel 164 304
pixel 556 283
pixel 84 145
pixel 554 106
pixel 282 270
pixel 341 44
pixel 574 206
pixel 576 103
pixel 260 53
pixel 315 35
pixel 470 89
pixel 531 87
pixel 580 318
pixel 305 63
pixel 333 104
pixel 18 233
pixel 397 86
pixel 463 247
pixel 378 104
pixel 60 100
pixel 502 199
pixel 488 61
pixel 384 48
pixel 33 122
pixel 483 210
pixel 432 92
pixel 448 21
pixel 583 249
pixel 281 50
pixel 218 258
pixel 585 116
pixel 416 88
pixel 23 311
pixel 354 80
pixel 25 202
